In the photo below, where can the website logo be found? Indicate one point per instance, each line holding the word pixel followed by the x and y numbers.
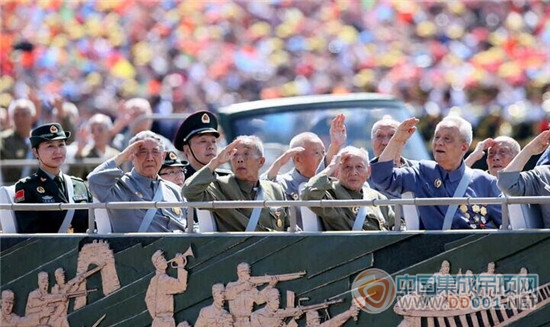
pixel 373 290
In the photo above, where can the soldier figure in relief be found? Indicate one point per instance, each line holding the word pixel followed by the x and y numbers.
pixel 215 315
pixel 242 294
pixel 160 293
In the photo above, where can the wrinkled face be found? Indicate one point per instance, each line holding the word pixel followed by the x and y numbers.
pixel 175 175
pixel 51 153
pixel 448 147
pixel 100 134
pixel 353 172
pixel 246 163
pixel 148 159
pixel 381 138
pixel 204 148
pixel 307 161
pixel 22 118
pixel 499 156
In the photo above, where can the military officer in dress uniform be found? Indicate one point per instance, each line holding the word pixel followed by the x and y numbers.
pixel 447 176
pixel 246 156
pixel 197 138
pixel 173 169
pixel 50 185
pixel 109 183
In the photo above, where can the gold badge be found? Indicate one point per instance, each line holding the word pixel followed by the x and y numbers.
pixel 177 211
pixel 437 183
pixel 53 129
pixel 205 119
pixel 279 222
pixel 483 211
pixel 463 208
pixel 40 189
pixel 20 153
pixel 173 156
pixel 355 210
pixel 42 179
pixel 295 196
pixel 475 208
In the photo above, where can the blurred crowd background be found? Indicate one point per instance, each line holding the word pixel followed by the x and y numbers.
pixel 488 60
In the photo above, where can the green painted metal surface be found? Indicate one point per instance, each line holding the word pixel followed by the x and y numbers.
pixel 331 261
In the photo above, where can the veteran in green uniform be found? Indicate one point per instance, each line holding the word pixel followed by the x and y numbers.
pixel 352 165
pixel 246 158
pixel 50 185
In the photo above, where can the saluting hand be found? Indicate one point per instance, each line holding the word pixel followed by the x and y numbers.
pixel 129 153
pixel 225 155
pixel 539 143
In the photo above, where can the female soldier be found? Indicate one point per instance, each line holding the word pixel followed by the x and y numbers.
pixel 50 185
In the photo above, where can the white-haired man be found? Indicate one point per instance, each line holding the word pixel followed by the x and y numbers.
pixel 353 170
pixel 447 176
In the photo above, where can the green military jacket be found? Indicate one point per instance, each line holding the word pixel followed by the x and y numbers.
pixel 342 218
pixel 207 186
pixel 40 188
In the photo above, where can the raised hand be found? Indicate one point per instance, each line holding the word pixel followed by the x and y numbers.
pixel 405 130
pixel 338 132
pixel 129 153
pixel 539 143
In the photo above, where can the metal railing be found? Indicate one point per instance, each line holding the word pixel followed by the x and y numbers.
pixel 292 205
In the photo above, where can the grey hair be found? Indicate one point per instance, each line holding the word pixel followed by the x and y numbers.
pixel 464 127
pixel 21 103
pixel 148 135
pixel 302 138
pixel 101 119
pixel 254 142
pixel 360 152
pixel 387 120
pixel 514 145
pixel 140 103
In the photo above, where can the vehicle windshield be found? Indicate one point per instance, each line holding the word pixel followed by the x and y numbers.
pixel 276 129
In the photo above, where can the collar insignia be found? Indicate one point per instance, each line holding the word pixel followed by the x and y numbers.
pixel 438 183
pixel 40 189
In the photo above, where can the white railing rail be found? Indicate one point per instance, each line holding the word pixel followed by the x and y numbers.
pixel 292 205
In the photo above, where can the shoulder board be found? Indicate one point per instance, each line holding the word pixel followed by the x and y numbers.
pixel 25 179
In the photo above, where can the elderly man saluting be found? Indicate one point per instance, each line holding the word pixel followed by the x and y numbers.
pixel 109 183
pixel 447 176
pixel 246 158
